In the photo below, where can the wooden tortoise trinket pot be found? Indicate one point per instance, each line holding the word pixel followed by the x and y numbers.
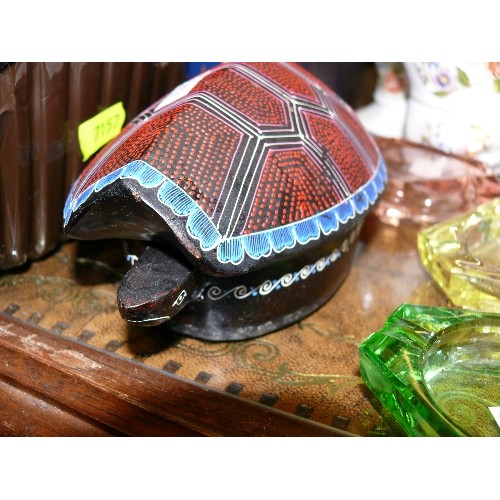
pixel 248 186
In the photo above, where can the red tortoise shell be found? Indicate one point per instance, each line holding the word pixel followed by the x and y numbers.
pixel 256 158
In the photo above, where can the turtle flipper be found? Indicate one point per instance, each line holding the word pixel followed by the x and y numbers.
pixel 157 287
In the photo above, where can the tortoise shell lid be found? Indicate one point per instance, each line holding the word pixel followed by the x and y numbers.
pixel 246 164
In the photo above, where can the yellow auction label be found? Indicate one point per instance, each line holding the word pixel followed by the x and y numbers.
pixel 96 132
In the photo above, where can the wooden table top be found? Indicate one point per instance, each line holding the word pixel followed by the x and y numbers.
pixel 76 368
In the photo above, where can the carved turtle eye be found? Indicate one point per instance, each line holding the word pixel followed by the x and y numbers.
pixel 253 171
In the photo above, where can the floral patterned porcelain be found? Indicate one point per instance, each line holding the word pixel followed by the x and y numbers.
pixel 452 106
pixel 386 115
pixel 455 107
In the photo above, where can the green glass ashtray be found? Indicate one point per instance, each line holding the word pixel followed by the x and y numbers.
pixel 462 255
pixel 437 370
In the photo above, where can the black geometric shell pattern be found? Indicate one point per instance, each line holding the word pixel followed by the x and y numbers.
pixel 255 159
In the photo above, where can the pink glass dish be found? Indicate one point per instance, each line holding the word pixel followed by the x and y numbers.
pixel 427 185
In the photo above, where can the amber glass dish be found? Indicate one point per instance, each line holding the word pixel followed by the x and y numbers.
pixel 462 255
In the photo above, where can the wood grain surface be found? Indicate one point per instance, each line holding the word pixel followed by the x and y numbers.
pixel 64 342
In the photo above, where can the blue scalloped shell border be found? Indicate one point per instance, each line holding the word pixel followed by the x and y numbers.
pixel 256 245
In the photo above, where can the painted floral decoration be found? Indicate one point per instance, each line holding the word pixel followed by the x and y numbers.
pixel 494 68
pixel 444 79
pixel 392 77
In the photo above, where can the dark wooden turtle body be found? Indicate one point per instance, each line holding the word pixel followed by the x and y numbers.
pixel 254 174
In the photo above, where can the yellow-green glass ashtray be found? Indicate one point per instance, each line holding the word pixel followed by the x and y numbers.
pixel 462 255
pixel 436 370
